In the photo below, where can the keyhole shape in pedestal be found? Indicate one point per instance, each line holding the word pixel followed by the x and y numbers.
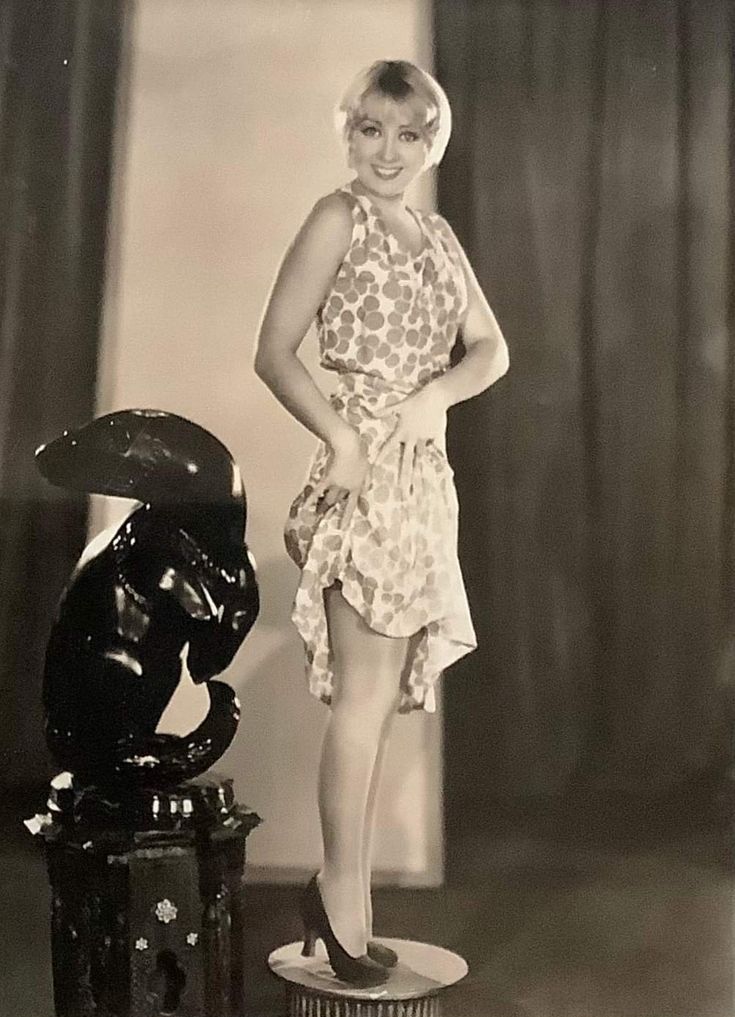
pixel 167 982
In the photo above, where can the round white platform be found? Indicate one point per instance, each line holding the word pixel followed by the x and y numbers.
pixel 412 987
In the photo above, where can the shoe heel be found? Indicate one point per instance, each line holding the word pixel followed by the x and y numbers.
pixel 310 938
pixel 362 971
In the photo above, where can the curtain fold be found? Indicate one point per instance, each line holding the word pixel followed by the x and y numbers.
pixel 588 177
pixel 58 81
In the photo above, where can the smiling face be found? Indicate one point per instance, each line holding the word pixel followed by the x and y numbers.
pixel 388 146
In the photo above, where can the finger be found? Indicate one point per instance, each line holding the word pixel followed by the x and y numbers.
pixel 349 509
pixel 318 490
pixel 338 494
pixel 406 468
pixel 389 447
pixel 418 453
pixel 332 495
pixel 385 411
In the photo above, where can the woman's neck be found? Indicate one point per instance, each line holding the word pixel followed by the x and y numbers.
pixel 393 205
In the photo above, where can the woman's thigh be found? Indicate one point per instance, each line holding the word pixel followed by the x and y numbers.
pixel 368 665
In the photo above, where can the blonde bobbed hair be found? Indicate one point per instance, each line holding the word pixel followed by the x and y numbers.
pixel 401 81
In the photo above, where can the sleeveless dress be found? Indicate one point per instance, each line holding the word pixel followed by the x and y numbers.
pixel 387 328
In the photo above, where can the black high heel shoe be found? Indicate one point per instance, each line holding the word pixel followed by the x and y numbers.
pixel 361 970
pixel 382 955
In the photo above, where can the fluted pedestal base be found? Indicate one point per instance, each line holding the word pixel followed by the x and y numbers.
pixel 413 989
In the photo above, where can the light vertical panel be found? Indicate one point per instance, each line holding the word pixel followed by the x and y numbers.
pixel 225 143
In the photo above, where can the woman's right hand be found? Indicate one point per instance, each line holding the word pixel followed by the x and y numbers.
pixel 344 475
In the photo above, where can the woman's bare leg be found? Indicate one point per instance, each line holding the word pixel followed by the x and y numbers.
pixel 368 668
pixel 370 812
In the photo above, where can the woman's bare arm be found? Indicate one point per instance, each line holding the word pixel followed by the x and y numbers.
pixel 486 357
pixel 305 276
pixel 422 417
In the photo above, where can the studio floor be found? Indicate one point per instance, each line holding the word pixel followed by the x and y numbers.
pixel 582 909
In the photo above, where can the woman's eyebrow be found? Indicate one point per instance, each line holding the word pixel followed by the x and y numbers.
pixel 401 127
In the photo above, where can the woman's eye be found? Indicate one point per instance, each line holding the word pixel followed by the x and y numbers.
pixel 410 136
pixel 369 131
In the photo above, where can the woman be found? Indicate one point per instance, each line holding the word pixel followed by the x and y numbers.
pixel 381 604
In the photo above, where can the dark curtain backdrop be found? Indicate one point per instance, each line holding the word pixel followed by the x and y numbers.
pixel 58 75
pixel 589 178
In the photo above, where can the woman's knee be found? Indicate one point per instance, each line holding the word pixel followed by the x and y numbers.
pixel 374 696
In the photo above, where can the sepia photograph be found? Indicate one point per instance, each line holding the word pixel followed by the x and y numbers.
pixel 367 508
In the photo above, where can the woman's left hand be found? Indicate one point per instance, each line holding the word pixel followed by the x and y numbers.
pixel 421 418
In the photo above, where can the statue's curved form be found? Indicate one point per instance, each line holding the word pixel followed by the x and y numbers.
pixel 172 588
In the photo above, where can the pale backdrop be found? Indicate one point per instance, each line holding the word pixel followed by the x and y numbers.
pixel 225 142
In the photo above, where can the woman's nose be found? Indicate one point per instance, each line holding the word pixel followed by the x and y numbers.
pixel 388 150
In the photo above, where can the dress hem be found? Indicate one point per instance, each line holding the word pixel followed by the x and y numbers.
pixel 455 648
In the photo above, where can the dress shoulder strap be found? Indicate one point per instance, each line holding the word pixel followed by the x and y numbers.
pixel 439 230
pixel 361 207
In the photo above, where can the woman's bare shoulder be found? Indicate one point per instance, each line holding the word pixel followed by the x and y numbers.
pixel 324 236
pixel 438 222
pixel 331 216
pixel 447 234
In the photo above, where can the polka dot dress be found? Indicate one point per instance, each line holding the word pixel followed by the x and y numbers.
pixel 387 328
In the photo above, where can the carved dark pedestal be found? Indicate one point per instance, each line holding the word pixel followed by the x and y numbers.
pixel 147 900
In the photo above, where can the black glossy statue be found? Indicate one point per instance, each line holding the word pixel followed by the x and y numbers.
pixel 145 852
pixel 173 584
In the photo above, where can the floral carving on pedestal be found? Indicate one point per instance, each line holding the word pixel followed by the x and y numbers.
pixel 166 911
